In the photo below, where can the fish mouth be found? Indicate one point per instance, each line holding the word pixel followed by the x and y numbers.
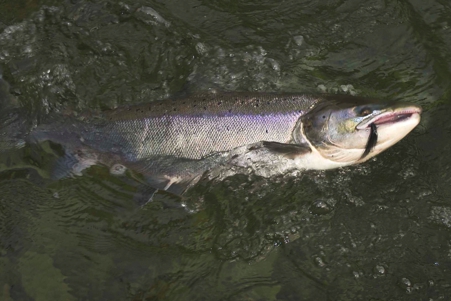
pixel 390 117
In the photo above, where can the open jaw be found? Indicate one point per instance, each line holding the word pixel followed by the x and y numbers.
pixel 390 117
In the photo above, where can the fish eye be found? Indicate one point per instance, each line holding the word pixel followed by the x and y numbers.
pixel 365 112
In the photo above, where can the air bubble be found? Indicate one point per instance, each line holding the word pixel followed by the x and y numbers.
pixel 379 270
pixel 201 48
pixel 321 207
pixel 298 40
pixel 319 262
pixel 405 284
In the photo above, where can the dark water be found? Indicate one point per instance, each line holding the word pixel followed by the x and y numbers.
pixel 378 231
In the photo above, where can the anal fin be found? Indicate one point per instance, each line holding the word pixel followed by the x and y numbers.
pixel 170 174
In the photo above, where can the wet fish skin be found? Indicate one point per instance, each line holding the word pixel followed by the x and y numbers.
pixel 201 125
pixel 173 142
pixel 175 139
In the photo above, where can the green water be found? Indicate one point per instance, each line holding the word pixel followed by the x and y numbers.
pixel 377 231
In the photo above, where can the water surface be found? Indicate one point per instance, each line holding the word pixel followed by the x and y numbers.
pixel 377 231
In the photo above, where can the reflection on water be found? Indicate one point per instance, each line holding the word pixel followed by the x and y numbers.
pixel 335 235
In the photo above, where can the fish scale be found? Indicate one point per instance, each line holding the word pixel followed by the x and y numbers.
pixel 173 142
pixel 197 137
pixel 202 132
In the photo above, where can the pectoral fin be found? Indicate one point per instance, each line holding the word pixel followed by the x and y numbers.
pixel 287 150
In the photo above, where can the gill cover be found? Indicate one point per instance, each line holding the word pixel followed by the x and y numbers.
pixel 332 127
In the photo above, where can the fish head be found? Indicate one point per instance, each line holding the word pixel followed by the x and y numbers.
pixel 350 130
